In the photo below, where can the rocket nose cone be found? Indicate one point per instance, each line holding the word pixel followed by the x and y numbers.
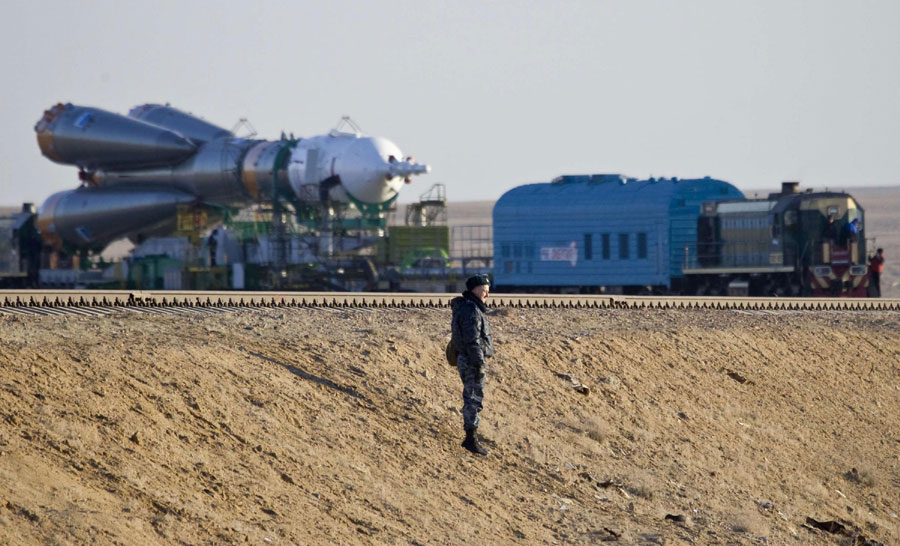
pixel 366 171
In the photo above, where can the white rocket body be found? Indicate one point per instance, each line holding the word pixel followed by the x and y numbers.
pixel 142 167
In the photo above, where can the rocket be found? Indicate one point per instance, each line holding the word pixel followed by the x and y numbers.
pixel 136 170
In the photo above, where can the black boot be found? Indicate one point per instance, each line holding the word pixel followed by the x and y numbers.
pixel 471 443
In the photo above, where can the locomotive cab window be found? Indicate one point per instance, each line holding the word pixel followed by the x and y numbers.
pixel 790 217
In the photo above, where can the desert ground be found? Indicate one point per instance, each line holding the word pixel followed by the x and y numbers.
pixel 299 426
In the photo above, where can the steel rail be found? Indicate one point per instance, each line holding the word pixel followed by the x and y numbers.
pixel 172 300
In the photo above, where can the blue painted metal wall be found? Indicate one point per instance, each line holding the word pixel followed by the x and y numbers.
pixel 541 231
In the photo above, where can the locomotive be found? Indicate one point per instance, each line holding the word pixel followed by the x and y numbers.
pixel 789 244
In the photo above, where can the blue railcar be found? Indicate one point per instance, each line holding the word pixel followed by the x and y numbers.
pixel 588 233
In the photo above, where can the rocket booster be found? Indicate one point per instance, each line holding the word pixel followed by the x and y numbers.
pixel 137 169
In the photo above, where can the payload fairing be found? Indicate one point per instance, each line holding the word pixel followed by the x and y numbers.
pixel 136 171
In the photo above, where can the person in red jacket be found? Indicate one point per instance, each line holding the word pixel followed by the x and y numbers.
pixel 876 266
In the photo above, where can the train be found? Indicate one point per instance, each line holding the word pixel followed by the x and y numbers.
pixel 577 234
pixel 621 235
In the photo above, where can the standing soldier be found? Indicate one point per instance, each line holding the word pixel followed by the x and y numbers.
pixel 471 337
pixel 213 243
pixel 876 266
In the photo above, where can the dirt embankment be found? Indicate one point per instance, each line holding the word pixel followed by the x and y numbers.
pixel 340 427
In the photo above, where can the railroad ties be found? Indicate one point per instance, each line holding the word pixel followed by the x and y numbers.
pixel 102 302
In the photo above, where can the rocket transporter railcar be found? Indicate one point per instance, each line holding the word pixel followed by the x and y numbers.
pixel 599 233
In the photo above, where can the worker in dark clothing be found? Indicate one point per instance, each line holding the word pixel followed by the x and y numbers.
pixel 829 234
pixel 876 266
pixel 213 243
pixel 471 337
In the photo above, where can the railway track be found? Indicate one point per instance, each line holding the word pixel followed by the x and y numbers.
pixel 101 302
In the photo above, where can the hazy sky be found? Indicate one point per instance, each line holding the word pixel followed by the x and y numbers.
pixel 492 94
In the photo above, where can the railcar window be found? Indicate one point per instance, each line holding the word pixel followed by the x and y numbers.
pixel 642 245
pixel 623 246
pixel 504 250
pixel 605 239
pixel 588 248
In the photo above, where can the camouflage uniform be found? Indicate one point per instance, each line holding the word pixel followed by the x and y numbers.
pixel 471 336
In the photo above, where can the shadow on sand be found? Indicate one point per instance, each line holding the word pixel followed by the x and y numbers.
pixel 314 378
